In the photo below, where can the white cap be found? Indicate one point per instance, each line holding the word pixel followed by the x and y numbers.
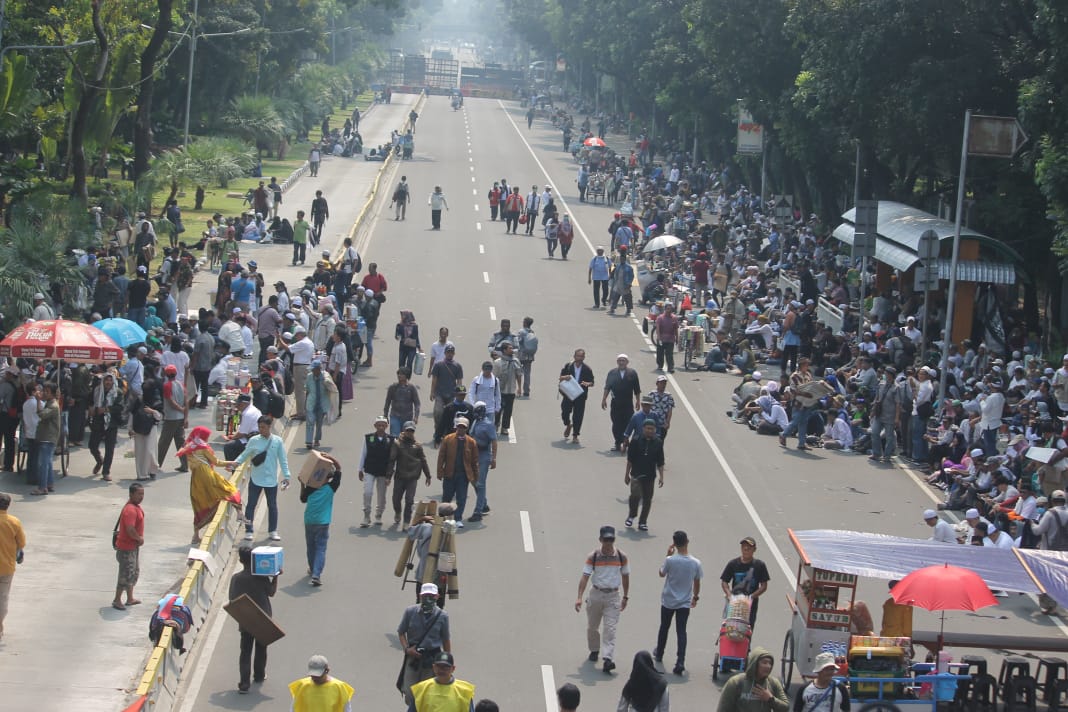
pixel 972 513
pixel 929 514
pixel 757 375
pixel 428 589
pixel 623 356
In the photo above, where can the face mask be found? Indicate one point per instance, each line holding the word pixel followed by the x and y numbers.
pixel 427 604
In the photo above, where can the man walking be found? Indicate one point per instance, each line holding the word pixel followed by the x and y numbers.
pixel 485 435
pixel 663 405
pixel 621 281
pixel 129 538
pixel 315 156
pixel 105 417
pixel 12 542
pixel 509 372
pixel 436 201
pixel 320 213
pixel 573 411
pixel 666 335
pixel 374 470
pixel 598 275
pixel 607 572
pixel 747 576
pixel 401 197
pixel 486 388
pixel 318 512
pixel 443 692
pixel 886 414
pixel 528 347
pixel 268 327
pixel 533 203
pixel 271 453
pixel 300 238
pixel 319 692
pixel 457 467
pixel 203 361
pixel 622 383
pixel 302 349
pixel 645 462
pixel 260 589
pixel 406 462
pixel 513 206
pixel 804 405
pixel 175 416
pixel 682 588
pixel 423 633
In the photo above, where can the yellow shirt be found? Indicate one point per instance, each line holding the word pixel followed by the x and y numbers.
pixel 331 696
pixel 897 620
pixel 12 538
pixel 431 696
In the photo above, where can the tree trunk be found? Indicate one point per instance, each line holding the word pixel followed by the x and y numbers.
pixel 90 90
pixel 143 122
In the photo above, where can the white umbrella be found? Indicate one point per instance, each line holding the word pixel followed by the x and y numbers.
pixel 661 243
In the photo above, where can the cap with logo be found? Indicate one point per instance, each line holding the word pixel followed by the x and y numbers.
pixel 444 658
pixel 408 425
pixel 749 541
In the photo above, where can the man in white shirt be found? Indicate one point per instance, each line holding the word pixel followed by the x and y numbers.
pixel 1060 385
pixel 246 428
pixel 486 387
pixel 41 310
pixel 841 435
pixel 437 349
pixel 302 350
pixel 761 326
pixel 911 331
pixel 230 334
pixel 991 408
pixel 867 345
pixel 943 530
pixel 994 537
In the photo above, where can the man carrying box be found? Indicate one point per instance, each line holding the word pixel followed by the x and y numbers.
pixel 318 499
pixel 260 589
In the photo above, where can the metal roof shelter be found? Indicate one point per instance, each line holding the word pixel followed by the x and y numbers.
pixel 900 227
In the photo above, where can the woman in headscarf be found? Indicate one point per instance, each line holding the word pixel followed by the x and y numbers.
pixel 407 333
pixel 207 488
pixel 646 690
pixel 566 233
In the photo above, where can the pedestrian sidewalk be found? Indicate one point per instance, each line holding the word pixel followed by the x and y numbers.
pixel 64 646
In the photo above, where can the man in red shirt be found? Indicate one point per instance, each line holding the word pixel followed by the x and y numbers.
pixel 374 280
pixel 494 199
pixel 129 537
pixel 666 335
pixel 700 278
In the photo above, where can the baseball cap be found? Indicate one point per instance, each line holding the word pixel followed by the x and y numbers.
pixel 444 658
pixel 316 363
pixel 428 589
pixel 647 399
pixel 972 513
pixel 929 514
pixel 977 453
pixel 608 532
pixel 462 421
pixel 823 661
pixel 1057 494
pixel 748 540
pixel 279 283
pixel 381 419
pixel 408 425
pixel 450 347
pixel 317 665
pixel 170 369
pixel 661 378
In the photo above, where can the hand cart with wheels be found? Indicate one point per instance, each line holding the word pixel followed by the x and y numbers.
pixel 732 646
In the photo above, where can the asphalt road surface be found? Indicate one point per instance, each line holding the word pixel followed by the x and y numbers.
pixel 515 632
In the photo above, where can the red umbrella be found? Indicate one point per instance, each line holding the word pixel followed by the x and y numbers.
pixel 944 588
pixel 60 339
pixel 594 142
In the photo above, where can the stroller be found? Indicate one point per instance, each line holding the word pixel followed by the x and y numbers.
pixel 732 646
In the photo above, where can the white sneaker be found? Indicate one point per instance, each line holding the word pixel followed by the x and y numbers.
pixel 248 536
pixel 366 521
pixel 459 525
pixel 378 519
pixel 275 536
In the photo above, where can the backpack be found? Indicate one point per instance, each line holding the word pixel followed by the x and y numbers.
pixel 528 344
pixel 171 611
pixel 276 404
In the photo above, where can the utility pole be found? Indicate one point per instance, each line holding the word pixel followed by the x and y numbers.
pixel 189 80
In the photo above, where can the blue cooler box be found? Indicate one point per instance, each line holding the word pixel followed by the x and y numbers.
pixel 267 560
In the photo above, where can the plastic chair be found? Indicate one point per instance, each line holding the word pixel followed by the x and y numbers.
pixel 978 662
pixel 1059 693
pixel 1018 693
pixel 983 693
pixel 1055 669
pixel 1013 666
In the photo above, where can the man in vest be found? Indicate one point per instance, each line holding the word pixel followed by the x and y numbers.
pixel 533 203
pixel 443 692
pixel 374 469
pixel 319 691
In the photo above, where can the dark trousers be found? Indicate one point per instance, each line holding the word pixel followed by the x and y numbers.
pixel 265 341
pixel 201 378
pixel 572 412
pixel 77 420
pixel 435 219
pixel 621 411
pixel 665 351
pixel 233 448
pixel 564 249
pixel 682 617
pixel 532 219
pixel 641 491
pixel 170 431
pixel 507 403
pixel 271 493
pixel 8 427
pixel 628 300
pixel 406 356
pixel 493 211
pixel 107 437
pixel 600 292
pixel 299 252
pixel 404 490
pixel 582 193
pixel 789 356
pixel 341 286
pixel 246 668
pixel 511 222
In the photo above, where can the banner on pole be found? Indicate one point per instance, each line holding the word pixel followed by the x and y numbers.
pixel 750 134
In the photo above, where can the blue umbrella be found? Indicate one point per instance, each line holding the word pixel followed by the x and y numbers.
pixel 122 331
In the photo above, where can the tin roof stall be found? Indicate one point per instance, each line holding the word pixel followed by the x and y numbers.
pixel 983 259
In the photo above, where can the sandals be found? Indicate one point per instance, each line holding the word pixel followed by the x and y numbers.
pixel 38 491
pixel 117 605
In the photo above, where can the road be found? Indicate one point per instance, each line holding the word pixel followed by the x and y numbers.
pixel 515 633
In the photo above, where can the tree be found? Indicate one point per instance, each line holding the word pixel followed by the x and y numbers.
pixel 89 90
pixel 147 86
pixel 254 119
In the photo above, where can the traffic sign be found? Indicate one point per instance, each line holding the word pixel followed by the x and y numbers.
pixel 784 207
pixel 925 277
pixel 865 228
pixel 997 136
pixel 929 246
pixel 863 245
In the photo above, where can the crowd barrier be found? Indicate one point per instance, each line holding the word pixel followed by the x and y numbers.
pixel 828 313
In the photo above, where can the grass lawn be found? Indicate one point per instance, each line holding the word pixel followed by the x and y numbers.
pixel 337 119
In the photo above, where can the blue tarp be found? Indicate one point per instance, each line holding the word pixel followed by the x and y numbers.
pixel 887 557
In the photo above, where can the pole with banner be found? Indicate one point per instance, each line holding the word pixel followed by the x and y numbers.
pixel 926 279
pixel 865 233
pixel 996 137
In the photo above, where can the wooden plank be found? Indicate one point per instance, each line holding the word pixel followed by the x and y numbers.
pixel 254 619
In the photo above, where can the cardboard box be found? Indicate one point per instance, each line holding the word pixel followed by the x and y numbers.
pixel 316 471
pixel 253 619
pixel 267 560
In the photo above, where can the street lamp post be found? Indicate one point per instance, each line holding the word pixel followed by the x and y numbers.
pixel 189 78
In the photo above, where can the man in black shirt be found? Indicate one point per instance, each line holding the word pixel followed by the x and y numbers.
pixel 137 297
pixel 320 213
pixel 446 424
pixel 622 383
pixel 746 575
pixel 645 460
pixel 260 589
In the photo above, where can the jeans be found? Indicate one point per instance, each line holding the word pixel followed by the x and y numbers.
pixel 990 442
pixel 511 222
pixel 527 365
pixel 550 244
pixel 480 486
pixel 370 342
pixel 244 663
pixel 300 250
pixel 406 357
pixel 313 427
pixel 600 292
pixel 45 475
pixel 799 425
pixel 572 412
pixel 455 486
pixel 272 506
pixel 435 219
pixel 395 424
pixel 878 429
pixel 532 219
pixel 627 297
pixel 201 378
pixel 682 616
pixel 137 315
pixel 641 490
pixel 316 536
pixel 665 351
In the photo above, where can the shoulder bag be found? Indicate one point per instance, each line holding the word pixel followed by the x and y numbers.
pixel 404 658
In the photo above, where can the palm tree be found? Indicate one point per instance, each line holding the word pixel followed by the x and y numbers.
pixel 173 168
pixel 220 160
pixel 254 119
pixel 34 254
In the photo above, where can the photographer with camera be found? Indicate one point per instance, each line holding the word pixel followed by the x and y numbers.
pixel 423 633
